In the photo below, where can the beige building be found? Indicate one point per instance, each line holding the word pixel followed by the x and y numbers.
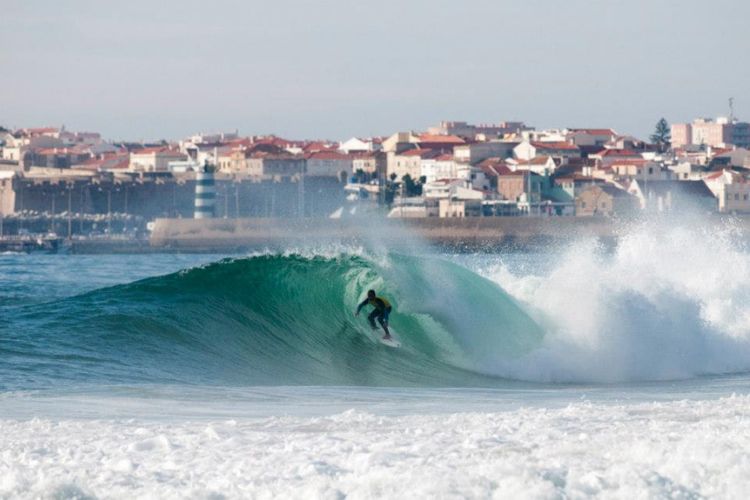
pixel 408 163
pixel 370 163
pixel 449 207
pixel 520 186
pixel 604 200
pixel 329 164
pixel 735 198
pixel 276 165
pixel 709 132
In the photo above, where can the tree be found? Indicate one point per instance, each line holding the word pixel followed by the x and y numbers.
pixel 360 176
pixel 661 136
pixel 410 187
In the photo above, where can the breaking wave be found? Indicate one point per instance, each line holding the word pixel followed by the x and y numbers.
pixel 280 320
pixel 667 303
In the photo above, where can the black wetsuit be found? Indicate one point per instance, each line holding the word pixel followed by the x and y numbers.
pixel 381 312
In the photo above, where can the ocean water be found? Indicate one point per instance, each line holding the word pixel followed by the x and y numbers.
pixel 579 371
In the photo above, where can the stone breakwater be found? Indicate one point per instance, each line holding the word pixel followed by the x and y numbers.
pixel 469 233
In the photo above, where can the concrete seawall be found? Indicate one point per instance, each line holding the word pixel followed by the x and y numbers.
pixel 469 233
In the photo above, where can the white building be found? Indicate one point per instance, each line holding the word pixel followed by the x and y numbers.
pixel 686 171
pixel 357 145
pixel 556 149
pixel 439 167
pixel 154 159
pixel 542 165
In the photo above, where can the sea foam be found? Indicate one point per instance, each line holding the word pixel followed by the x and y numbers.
pixel 668 302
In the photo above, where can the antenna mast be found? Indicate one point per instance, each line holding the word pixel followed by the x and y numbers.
pixel 731 109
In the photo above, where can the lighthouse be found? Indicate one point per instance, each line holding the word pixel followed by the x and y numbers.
pixel 205 192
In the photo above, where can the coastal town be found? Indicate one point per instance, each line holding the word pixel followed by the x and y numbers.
pixel 69 184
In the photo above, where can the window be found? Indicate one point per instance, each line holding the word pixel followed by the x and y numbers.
pixel 736 197
pixel 744 196
pixel 650 170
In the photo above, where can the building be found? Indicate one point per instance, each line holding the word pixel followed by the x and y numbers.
pixel 409 163
pixel 590 136
pixel 373 164
pixel 58 157
pixel 460 207
pixel 686 171
pixel 556 149
pixel 442 166
pixel 442 143
pixel 329 164
pixel 565 188
pixel 476 152
pixel 463 129
pixel 710 132
pixel 674 196
pixel 281 166
pixel 154 159
pixel 640 169
pixel 735 198
pixel 357 145
pixel 604 200
pixel 520 186
pixel 399 142
pixel 608 157
pixel 542 165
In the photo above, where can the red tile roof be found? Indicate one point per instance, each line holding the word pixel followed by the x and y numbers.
pixel 493 170
pixel 616 152
pixel 328 155
pixel 148 151
pixel 537 160
pixel 422 153
pixel 319 146
pixel 557 145
pixel 441 139
pixel 714 175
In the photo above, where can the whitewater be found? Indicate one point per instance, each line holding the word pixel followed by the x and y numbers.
pixel 581 371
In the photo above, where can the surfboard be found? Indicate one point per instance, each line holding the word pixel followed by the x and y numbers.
pixel 391 342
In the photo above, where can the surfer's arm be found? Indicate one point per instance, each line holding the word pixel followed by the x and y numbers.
pixel 361 305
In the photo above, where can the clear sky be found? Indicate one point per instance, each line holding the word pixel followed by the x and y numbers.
pixel 147 69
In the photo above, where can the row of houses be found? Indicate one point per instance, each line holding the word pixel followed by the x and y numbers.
pixel 452 169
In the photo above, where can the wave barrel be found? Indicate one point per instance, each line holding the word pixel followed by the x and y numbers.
pixel 205 192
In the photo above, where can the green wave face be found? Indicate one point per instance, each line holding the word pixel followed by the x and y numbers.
pixel 288 320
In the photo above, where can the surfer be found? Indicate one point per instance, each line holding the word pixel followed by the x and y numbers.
pixel 381 312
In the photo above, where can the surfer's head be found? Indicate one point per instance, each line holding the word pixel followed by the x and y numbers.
pixel 370 294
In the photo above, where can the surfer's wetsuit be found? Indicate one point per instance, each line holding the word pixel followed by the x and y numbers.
pixel 381 312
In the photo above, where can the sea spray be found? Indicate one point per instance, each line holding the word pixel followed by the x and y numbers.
pixel 670 301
